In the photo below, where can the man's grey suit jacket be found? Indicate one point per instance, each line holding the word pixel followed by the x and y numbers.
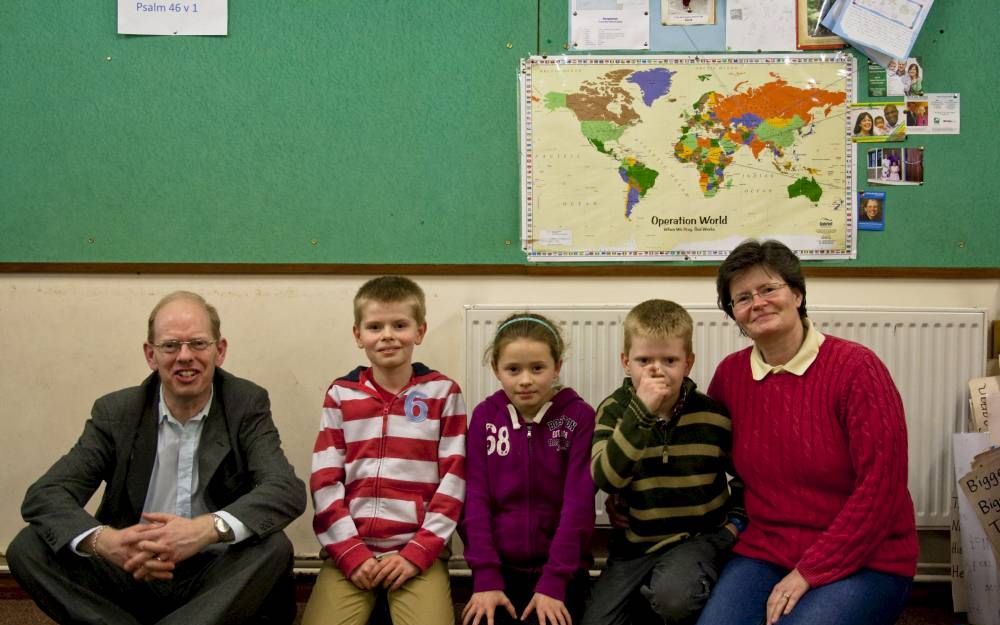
pixel 240 463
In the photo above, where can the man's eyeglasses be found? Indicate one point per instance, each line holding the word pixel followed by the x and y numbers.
pixel 172 347
pixel 768 291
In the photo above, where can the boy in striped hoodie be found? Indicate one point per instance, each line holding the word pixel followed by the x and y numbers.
pixel 388 471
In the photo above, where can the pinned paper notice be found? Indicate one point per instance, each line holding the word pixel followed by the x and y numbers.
pixel 556 237
pixel 609 24
pixel 756 25
pixel 191 17
pixel 933 114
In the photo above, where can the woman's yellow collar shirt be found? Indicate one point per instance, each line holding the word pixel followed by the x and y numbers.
pixel 800 361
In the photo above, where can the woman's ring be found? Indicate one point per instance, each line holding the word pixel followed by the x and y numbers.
pixel 786 595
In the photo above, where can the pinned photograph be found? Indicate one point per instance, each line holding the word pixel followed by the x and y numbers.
pixel 913 79
pixel 810 33
pixel 916 113
pixel 902 77
pixel 687 12
pixel 878 122
pixel 895 166
pixel 871 210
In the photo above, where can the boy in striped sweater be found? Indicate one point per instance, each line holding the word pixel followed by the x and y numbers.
pixel 661 451
pixel 388 471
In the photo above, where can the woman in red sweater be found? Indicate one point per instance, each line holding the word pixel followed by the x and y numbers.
pixel 819 439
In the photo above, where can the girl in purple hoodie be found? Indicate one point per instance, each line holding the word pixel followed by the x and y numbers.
pixel 529 503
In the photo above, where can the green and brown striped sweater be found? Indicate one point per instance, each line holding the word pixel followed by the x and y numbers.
pixel 670 474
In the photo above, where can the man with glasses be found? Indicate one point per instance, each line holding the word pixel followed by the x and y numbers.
pixel 197 491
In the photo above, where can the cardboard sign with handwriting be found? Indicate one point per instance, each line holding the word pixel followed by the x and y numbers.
pixel 982 488
pixel 979 561
pixel 979 389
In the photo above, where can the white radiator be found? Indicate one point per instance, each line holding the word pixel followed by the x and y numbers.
pixel 931 354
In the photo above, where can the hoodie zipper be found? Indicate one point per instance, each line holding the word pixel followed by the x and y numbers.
pixel 381 457
pixel 515 421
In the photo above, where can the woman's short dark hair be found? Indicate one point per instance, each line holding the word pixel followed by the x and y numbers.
pixel 773 257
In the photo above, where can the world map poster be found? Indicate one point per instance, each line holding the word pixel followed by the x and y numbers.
pixel 683 157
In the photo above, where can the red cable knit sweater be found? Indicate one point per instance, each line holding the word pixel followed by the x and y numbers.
pixel 823 457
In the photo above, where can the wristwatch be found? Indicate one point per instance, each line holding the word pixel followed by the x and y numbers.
pixel 222 529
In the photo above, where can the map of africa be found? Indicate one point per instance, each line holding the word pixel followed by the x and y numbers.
pixel 681 157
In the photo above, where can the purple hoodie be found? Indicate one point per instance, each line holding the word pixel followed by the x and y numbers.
pixel 529 501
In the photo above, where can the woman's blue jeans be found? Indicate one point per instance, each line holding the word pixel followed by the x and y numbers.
pixel 864 598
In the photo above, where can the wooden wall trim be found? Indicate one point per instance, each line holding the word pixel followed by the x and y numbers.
pixel 565 271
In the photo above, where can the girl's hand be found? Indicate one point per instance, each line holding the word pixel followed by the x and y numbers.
pixel 785 595
pixel 485 604
pixel 549 611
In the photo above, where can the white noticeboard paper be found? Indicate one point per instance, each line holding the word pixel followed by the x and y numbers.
pixel 609 24
pixel 760 25
pixel 981 575
pixel 190 17
pixel 889 27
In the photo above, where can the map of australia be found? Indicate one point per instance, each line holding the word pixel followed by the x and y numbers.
pixel 676 157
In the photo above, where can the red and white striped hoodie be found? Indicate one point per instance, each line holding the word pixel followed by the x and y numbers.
pixel 389 476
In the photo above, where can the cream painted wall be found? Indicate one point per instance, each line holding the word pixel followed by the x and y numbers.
pixel 68 339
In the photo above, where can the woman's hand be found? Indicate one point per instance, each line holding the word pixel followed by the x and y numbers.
pixel 785 595
pixel 549 611
pixel 617 511
pixel 485 604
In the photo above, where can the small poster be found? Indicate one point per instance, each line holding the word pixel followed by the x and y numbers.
pixel 192 17
pixel 933 114
pixel 871 210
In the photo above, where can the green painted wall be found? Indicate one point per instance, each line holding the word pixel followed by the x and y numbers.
pixel 345 132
